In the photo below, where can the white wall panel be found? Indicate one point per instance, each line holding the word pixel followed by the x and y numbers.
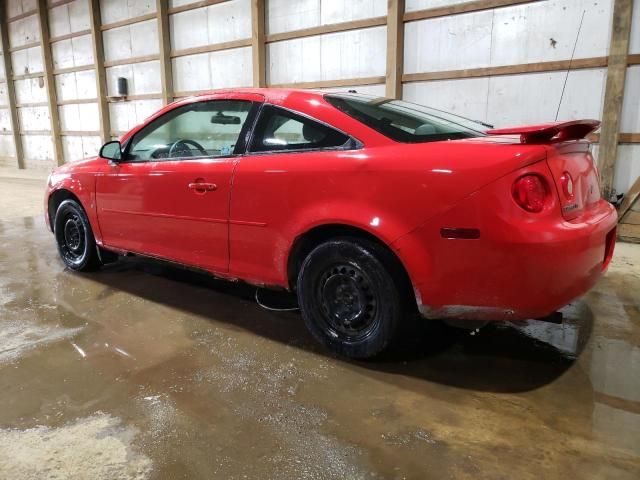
pixel 227 68
pixel 38 151
pixel 34 118
pixel 630 121
pixel 69 18
pixel 515 99
pixel 79 117
pixel 634 46
pixel 448 43
pixel 117 10
pixel 357 53
pixel 126 115
pixel 3 76
pixel 7 148
pixel 134 40
pixel 466 97
pixel 73 52
pixel 534 98
pixel 76 85
pixel 23 31
pixel 4 97
pixel 285 15
pixel 77 148
pixel 141 78
pixel 224 22
pixel 523 33
pixel 5 120
pixel 627 166
pixel 30 90
pixel 27 61
pixel 528 33
pixel 180 3
pixel 18 7
pixel 413 5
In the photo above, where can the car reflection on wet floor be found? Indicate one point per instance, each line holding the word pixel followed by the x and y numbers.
pixel 146 370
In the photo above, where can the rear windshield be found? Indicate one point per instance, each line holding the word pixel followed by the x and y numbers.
pixel 403 121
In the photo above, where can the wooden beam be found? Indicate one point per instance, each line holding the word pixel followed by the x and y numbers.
pixel 466 7
pixel 59 3
pixel 129 61
pixel 11 92
pixel 632 196
pixel 28 76
pixel 69 36
pixel 194 5
pixel 49 80
pixel 331 28
pixel 629 233
pixel 258 43
pixel 164 42
pixel 101 77
pixel 614 93
pixel 553 66
pixel 128 21
pixel 82 68
pixel 395 48
pixel 24 46
pixel 216 47
pixel 22 15
pixel 350 82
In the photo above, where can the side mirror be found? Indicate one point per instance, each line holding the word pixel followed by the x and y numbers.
pixel 112 151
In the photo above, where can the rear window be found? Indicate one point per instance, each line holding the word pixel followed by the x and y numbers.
pixel 403 121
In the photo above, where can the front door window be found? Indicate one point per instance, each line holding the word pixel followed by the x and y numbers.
pixel 200 129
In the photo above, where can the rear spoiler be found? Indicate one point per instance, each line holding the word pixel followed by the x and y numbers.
pixel 550 132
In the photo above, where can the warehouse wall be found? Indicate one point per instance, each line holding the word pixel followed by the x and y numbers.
pixel 455 61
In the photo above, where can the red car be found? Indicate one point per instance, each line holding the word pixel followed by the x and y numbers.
pixel 367 207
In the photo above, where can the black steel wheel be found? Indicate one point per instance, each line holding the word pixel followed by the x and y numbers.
pixel 352 296
pixel 76 244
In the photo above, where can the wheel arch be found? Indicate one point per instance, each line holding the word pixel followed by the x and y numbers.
pixel 55 199
pixel 307 241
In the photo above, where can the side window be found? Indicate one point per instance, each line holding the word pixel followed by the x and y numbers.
pixel 278 129
pixel 200 129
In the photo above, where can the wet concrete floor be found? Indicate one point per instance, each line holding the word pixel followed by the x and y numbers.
pixel 146 371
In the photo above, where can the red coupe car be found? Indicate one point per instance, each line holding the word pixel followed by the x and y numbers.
pixel 366 207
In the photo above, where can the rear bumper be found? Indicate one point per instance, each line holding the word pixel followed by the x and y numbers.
pixel 516 270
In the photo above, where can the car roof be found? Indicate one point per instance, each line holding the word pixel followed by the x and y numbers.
pixel 273 94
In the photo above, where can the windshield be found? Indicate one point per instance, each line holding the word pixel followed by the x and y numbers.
pixel 403 121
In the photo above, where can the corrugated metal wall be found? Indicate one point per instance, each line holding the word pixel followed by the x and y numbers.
pixel 451 61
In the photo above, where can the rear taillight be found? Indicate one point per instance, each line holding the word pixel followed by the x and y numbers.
pixel 567 184
pixel 531 192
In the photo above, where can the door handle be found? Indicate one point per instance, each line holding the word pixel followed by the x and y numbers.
pixel 203 187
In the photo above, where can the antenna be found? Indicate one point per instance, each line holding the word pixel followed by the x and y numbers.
pixel 570 62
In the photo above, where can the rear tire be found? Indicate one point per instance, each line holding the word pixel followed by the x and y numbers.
pixel 76 244
pixel 352 296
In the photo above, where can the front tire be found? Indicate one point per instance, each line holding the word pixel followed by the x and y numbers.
pixel 76 244
pixel 352 296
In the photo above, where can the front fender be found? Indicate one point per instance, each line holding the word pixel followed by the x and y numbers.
pixel 82 186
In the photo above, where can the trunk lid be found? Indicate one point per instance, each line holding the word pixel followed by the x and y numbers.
pixel 575 176
pixel 569 158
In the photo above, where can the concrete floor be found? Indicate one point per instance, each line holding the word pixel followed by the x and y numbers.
pixel 146 371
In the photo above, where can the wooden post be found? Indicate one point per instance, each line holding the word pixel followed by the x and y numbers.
pixel 11 92
pixel 164 41
pixel 395 48
pixel 52 96
pixel 614 92
pixel 257 43
pixel 101 76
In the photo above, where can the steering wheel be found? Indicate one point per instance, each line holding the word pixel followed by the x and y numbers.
pixel 182 148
